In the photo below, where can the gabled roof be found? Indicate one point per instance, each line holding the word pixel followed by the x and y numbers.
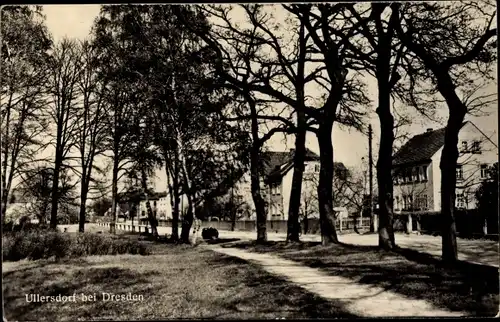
pixel 277 164
pixel 422 147
pixel 419 148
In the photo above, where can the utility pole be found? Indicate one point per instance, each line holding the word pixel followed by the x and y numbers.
pixel 373 225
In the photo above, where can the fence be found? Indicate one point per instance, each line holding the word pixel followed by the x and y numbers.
pixel 468 223
pixel 310 226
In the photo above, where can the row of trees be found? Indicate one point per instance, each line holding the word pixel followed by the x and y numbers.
pixel 414 51
pixel 201 89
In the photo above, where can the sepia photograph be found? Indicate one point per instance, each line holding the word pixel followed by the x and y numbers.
pixel 236 161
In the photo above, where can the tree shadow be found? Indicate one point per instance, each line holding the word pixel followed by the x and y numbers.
pixel 85 280
pixel 462 287
pixel 267 295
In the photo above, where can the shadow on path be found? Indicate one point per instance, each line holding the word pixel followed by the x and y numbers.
pixel 464 287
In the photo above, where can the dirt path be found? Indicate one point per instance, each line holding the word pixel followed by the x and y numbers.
pixel 359 299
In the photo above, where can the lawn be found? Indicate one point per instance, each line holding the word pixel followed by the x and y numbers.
pixel 465 287
pixel 176 281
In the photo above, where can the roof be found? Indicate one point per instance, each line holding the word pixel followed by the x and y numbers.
pixel 277 164
pixel 421 147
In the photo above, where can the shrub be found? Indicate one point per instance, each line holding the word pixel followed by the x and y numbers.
pixel 38 244
pixel 35 244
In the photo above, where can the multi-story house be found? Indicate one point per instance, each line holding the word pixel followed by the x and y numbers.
pixel 417 176
pixel 276 184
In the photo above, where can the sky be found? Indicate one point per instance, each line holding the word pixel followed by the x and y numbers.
pixel 350 147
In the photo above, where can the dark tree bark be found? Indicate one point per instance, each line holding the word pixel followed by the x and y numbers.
pixel 384 175
pixel 325 185
pixel 257 142
pixel 114 196
pixel 384 163
pixel 187 221
pixel 55 191
pixel 83 201
pixel 256 195
pixel 448 166
pixel 174 202
pixel 441 69
pixel 293 230
pixel 151 216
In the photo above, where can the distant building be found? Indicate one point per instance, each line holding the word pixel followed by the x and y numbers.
pixel 417 176
pixel 276 184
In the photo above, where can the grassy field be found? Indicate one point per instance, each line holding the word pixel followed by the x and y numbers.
pixel 176 281
pixel 465 287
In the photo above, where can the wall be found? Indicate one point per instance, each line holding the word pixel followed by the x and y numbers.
pixel 436 179
pixel 307 184
pixel 416 189
pixel 471 163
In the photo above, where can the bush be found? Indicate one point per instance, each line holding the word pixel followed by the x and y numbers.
pixel 38 244
pixel 210 233
pixel 34 244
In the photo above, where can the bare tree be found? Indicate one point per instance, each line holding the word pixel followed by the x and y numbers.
pixel 92 123
pixel 25 42
pixel 344 100
pixel 282 77
pixel 65 71
pixel 453 42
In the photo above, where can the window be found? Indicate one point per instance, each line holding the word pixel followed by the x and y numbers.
pixel 484 171
pixel 407 175
pixel 425 205
pixel 415 174
pixel 316 168
pixel 476 147
pixel 464 146
pixel 405 202
pixel 460 172
pixel 275 189
pixel 396 203
pixel 424 173
pixel 421 202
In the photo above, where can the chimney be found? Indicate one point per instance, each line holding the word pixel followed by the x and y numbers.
pixel 429 129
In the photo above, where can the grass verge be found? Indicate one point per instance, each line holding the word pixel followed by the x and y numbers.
pixel 176 281
pixel 464 287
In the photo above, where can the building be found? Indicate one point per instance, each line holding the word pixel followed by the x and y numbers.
pixel 417 176
pixel 276 185
pixel 164 206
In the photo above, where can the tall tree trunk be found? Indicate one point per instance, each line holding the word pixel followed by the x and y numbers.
pixel 293 230
pixel 174 203
pixel 114 196
pixel 5 197
pixel 384 170
pixel 448 166
pixel 325 186
pixel 260 208
pixel 187 221
pixel 55 191
pixel 6 124
pixel 176 213
pixel 151 215
pixel 83 202
pixel 256 195
pixel 384 163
